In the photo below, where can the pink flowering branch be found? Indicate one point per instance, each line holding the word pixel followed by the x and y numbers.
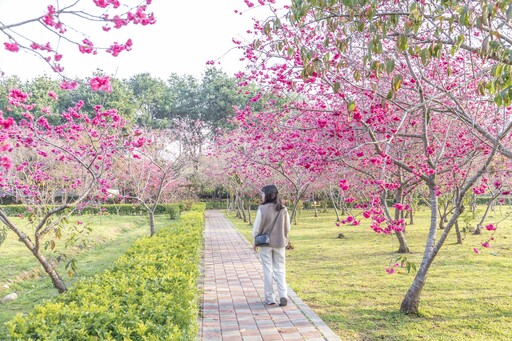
pixel 61 21
pixel 56 169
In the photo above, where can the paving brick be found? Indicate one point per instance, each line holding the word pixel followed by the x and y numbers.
pixel 291 336
pixel 252 338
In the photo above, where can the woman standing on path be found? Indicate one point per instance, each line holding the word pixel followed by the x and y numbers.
pixel 272 219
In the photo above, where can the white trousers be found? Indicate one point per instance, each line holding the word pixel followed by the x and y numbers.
pixel 274 267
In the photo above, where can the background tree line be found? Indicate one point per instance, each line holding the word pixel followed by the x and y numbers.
pixel 143 99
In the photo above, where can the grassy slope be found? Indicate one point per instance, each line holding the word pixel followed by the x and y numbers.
pixel 111 236
pixel 467 296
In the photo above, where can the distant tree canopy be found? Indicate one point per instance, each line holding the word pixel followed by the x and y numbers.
pixel 143 99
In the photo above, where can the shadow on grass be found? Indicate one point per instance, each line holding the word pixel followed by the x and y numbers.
pixel 371 324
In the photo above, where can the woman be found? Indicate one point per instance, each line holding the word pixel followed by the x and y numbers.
pixel 272 219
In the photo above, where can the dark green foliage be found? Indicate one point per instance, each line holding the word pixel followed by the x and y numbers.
pixel 118 209
pixel 186 205
pixel 14 210
pixel 150 294
pixel 173 211
pixel 152 98
pixel 198 207
pixel 215 205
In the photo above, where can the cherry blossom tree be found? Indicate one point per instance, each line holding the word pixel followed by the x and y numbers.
pixel 53 163
pixel 407 92
pixel 56 170
pixel 264 147
pixel 151 170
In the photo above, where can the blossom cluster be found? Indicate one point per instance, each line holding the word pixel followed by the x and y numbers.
pixel 101 84
pixel 116 48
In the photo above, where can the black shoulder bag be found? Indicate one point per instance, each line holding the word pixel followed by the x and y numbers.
pixel 263 239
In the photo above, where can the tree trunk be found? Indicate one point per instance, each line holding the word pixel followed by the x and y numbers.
pixel 473 204
pixel 442 216
pixel 58 283
pixel 151 223
pixel 237 204
pixel 334 206
pixel 457 232
pixel 411 217
pixel 481 223
pixel 404 248
pixel 293 216
pixel 242 209
pixel 49 268
pixel 411 302
pixel 249 213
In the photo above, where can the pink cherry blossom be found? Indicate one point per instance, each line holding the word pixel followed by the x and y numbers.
pixel 390 270
pixel 106 3
pixel 490 227
pixel 87 47
pixel 68 85
pixel 13 47
pixel 115 49
pixel 53 95
pixel 17 97
pixel 101 84
pixel 400 206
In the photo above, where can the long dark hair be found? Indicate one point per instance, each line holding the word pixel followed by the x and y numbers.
pixel 272 196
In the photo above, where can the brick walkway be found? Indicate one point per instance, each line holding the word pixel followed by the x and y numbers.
pixel 232 304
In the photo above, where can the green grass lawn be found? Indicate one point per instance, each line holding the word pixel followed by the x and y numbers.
pixel 111 237
pixel 466 297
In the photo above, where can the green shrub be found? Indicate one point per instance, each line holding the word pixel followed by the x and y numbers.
pixel 186 205
pixel 14 210
pixel 150 294
pixel 222 204
pixel 115 209
pixel 215 205
pixel 133 209
pixel 198 207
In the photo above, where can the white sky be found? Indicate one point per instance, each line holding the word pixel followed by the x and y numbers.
pixel 187 34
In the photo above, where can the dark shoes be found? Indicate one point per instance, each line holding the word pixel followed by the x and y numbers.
pixel 282 302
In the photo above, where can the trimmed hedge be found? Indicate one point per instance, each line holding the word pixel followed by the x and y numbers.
pixel 150 294
pixel 222 205
pixel 215 205
pixel 116 209
pixel 198 207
